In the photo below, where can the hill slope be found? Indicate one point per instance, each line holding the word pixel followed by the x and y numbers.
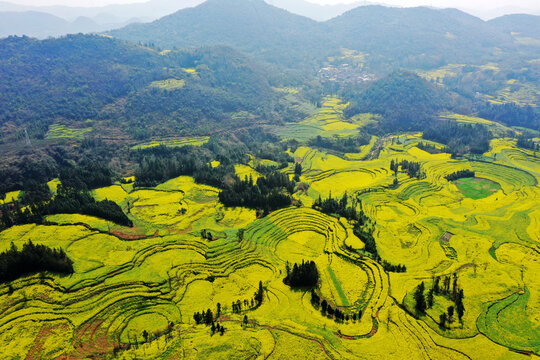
pixel 80 77
pixel 394 37
pixel 416 37
pixel 405 100
pixel 249 25
pixel 525 25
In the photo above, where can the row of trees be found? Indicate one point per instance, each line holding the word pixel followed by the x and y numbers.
pixel 327 310
pixel 207 317
pixel 362 225
pixel 432 149
pixel 460 175
pixel 32 258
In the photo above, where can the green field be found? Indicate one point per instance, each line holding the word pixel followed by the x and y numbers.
pixel 476 188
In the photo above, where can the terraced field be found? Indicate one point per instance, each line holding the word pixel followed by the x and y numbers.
pixel 152 278
pixel 58 131
pixel 193 141
pixel 328 121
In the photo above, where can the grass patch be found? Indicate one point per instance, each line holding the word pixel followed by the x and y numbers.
pixel 477 188
pixel 337 285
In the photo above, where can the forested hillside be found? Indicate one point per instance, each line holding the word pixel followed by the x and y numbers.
pixel 80 77
pixel 409 37
pixel 253 26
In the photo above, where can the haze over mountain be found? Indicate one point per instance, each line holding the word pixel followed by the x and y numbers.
pixel 521 24
pixel 316 11
pixel 32 21
pixel 42 25
pixel 146 11
pixel 419 37
pixel 249 25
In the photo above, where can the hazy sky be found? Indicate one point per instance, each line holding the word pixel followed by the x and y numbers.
pixel 478 4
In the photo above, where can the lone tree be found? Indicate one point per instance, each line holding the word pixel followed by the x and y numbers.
pixel 460 309
pixel 420 300
pixel 442 321
pixel 450 313
pixel 259 294
pixel 208 317
pixel 430 298
pixel 420 305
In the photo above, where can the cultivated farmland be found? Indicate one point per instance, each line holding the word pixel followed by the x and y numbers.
pixel 135 290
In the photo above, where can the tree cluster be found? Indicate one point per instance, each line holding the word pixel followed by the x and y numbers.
pixel 412 168
pixel 388 267
pixel 405 101
pixel 460 138
pixel 432 149
pixel 511 114
pixel 31 259
pixel 304 275
pixel 351 210
pixel 527 143
pixel 270 193
pixel 445 286
pixel 67 201
pixel 341 144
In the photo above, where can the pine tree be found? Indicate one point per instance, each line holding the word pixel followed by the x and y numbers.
pixel 450 313
pixel 419 298
pixel 430 298
pixel 209 317
pixel 460 309
pixel 442 321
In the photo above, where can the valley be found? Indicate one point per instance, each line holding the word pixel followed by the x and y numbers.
pixel 233 181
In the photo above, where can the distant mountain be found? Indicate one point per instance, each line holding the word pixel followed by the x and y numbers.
pixel 393 37
pixel 148 11
pixel 418 37
pixel 42 25
pixel 31 23
pixel 489 14
pixel 252 26
pixel 522 24
pixel 315 11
